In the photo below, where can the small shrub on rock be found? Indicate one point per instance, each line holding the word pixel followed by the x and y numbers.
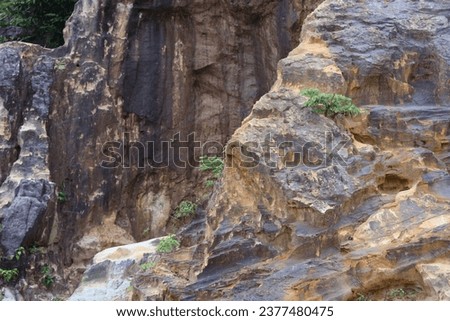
pixel 330 105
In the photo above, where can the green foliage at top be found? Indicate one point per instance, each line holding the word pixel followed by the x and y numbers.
pixel 168 244
pixel 185 209
pixel 212 164
pixel 42 20
pixel 330 104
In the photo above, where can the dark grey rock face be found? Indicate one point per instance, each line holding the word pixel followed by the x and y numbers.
pixel 24 220
pixel 26 193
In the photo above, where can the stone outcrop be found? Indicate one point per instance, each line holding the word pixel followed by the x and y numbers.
pixel 109 276
pixel 26 191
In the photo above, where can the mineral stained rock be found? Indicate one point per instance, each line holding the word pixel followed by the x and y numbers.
pixel 132 71
pixel 307 208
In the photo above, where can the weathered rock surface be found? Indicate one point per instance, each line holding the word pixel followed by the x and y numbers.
pixel 144 71
pixel 284 224
pixel 307 208
pixel 109 276
pixel 409 126
pixel 378 52
pixel 133 71
pixel 26 192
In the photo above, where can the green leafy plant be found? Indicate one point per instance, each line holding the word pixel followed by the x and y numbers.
pixel 62 197
pixel 19 252
pixel 185 209
pixel 330 104
pixel 212 164
pixel 209 183
pixel 168 244
pixel 47 277
pixel 9 275
pixel 42 21
pixel 147 266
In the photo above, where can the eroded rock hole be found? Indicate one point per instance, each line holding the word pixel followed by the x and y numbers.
pixel 394 184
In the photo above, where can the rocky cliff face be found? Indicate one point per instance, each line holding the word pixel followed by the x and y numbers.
pixel 307 208
pixel 142 71
pixel 131 71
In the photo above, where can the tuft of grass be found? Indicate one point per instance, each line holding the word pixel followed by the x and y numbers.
pixel 361 297
pixel 147 266
pixel 209 183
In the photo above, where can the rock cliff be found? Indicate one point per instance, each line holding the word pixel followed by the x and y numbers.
pixel 307 207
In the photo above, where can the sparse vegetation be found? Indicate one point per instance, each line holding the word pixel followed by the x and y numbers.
pixel 146 231
pixel 60 65
pixel 34 249
pixel 401 294
pixel 214 165
pixel 361 297
pixel 209 183
pixel 62 197
pixel 47 277
pixel 19 252
pixel 9 275
pixel 185 209
pixel 330 105
pixel 168 244
pixel 147 266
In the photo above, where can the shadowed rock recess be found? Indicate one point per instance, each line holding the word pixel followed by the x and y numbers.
pixel 307 208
